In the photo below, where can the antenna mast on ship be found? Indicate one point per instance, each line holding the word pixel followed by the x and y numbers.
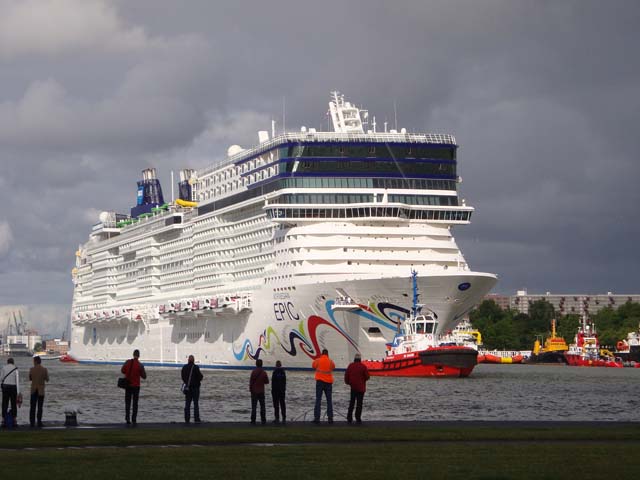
pixel 416 307
pixel 345 116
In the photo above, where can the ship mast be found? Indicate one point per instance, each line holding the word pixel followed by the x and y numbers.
pixel 344 115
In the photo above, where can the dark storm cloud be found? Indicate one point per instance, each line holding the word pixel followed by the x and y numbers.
pixel 543 98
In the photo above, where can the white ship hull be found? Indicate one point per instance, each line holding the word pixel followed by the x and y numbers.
pixel 291 326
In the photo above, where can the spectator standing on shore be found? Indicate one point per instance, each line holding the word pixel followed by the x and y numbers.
pixel 134 371
pixel 323 366
pixel 278 389
pixel 191 377
pixel 257 381
pixel 10 390
pixel 356 377
pixel 38 376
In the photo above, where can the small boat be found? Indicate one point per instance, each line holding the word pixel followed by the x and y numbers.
pixel 66 358
pixel 629 349
pixel 586 351
pixel 553 350
pixel 418 351
pixel 44 356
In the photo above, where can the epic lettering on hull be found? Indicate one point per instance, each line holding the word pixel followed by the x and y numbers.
pixel 285 311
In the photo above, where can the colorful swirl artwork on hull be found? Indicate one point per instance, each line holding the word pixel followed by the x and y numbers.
pixel 306 340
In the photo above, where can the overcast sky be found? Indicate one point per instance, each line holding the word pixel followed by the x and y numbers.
pixel 542 96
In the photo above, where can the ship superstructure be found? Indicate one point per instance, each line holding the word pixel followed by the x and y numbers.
pixel 253 257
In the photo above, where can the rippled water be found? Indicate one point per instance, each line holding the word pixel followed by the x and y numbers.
pixel 492 392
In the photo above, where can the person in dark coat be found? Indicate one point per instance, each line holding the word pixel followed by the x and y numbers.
pixel 10 389
pixel 257 381
pixel 38 376
pixel 278 389
pixel 356 377
pixel 191 377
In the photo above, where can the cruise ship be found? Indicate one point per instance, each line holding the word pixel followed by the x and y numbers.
pixel 306 241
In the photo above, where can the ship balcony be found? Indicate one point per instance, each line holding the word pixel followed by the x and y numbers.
pixel 148 282
pixel 104 263
pixel 204 247
pixel 176 286
pixel 170 258
pixel 205 235
pixel 176 268
pixel 153 262
pixel 177 276
pixel 259 231
pixel 206 282
pixel 99 281
pixel 205 264
pixel 103 255
pixel 104 290
pixel 132 294
pixel 237 243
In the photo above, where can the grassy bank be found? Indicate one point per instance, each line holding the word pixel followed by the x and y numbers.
pixel 296 451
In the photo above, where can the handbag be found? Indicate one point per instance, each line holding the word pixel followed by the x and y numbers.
pixel 5 377
pixel 185 386
pixel 123 382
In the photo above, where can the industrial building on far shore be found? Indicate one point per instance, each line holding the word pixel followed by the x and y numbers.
pixel 564 304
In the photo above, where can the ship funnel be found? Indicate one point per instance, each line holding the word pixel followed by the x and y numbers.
pixel 184 187
pixel 149 193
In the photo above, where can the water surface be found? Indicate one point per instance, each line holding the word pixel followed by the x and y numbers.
pixel 492 392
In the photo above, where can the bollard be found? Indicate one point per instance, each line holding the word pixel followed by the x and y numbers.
pixel 70 419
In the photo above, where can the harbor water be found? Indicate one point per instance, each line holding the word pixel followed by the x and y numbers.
pixel 492 392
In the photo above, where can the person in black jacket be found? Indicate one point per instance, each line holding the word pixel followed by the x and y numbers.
pixel 278 389
pixel 191 377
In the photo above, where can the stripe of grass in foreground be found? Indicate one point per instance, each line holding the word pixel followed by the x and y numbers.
pixel 308 434
pixel 500 460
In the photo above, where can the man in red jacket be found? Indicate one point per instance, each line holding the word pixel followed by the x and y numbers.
pixel 134 371
pixel 356 376
pixel 257 381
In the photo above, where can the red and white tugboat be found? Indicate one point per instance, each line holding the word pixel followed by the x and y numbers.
pixel 418 351
pixel 586 352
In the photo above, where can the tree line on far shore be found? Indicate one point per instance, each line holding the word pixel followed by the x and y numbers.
pixel 511 330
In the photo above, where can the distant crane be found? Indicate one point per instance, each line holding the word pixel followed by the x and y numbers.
pixel 18 325
pixel 23 326
pixel 9 329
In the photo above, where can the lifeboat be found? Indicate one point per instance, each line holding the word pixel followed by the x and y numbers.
pixel 492 358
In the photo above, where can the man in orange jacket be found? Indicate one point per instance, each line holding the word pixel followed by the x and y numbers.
pixel 324 383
